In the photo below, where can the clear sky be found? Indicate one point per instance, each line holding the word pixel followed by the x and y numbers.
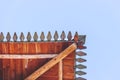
pixel 98 19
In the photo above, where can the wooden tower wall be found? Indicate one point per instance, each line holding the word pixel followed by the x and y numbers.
pixel 19 69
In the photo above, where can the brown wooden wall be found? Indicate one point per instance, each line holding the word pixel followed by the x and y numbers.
pixel 16 69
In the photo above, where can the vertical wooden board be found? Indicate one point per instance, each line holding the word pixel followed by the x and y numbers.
pixel 31 63
pixel 51 47
pixel 38 47
pixel 68 66
pixel 48 78
pixel 1 70
pixel 71 56
pixel 38 62
pixel 22 50
pixel 68 62
pixel 5 62
pixel 51 72
pixel 18 62
pixel 64 45
pixel 12 61
pixel 58 47
pixel 44 47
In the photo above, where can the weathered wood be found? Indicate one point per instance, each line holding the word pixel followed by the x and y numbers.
pixel 80 60
pixel 42 36
pixel 28 37
pixel 1 37
pixel 63 35
pixel 52 62
pixel 26 56
pixel 49 36
pixel 15 37
pixel 61 70
pixel 23 50
pixel 80 73
pixel 76 37
pixel 81 53
pixel 35 37
pixel 8 37
pixel 12 62
pixel 1 65
pixel 56 36
pixel 80 78
pixel 17 62
pixel 80 66
pixel 69 36
pixel 6 62
pixel 22 37
pixel 82 39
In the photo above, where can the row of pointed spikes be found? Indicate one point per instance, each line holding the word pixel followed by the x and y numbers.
pixel 80 66
pixel 35 37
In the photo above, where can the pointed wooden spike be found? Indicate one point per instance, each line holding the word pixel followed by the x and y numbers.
pixel 35 37
pixel 63 35
pixel 28 37
pixel 80 73
pixel 80 60
pixel 42 36
pixel 49 36
pixel 15 37
pixel 80 53
pixel 82 39
pixel 76 37
pixel 1 37
pixel 69 36
pixel 80 78
pixel 22 37
pixel 8 37
pixel 80 66
pixel 56 36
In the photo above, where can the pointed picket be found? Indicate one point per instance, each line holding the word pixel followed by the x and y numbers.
pixel 42 36
pixel 76 37
pixel 1 37
pixel 15 37
pixel 80 73
pixel 69 36
pixel 80 53
pixel 80 60
pixel 82 39
pixel 56 36
pixel 22 37
pixel 28 37
pixel 8 37
pixel 35 37
pixel 80 78
pixel 63 35
pixel 80 66
pixel 49 37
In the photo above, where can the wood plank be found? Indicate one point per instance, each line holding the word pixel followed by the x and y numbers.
pixel 61 70
pixel 23 50
pixel 48 78
pixel 1 69
pixel 30 62
pixel 52 62
pixel 12 62
pixel 5 62
pixel 26 56
pixel 18 63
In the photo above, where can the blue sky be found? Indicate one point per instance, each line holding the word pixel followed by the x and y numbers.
pixel 98 19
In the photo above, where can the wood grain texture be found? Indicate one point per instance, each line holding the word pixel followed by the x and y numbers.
pixel 22 68
pixel 52 62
